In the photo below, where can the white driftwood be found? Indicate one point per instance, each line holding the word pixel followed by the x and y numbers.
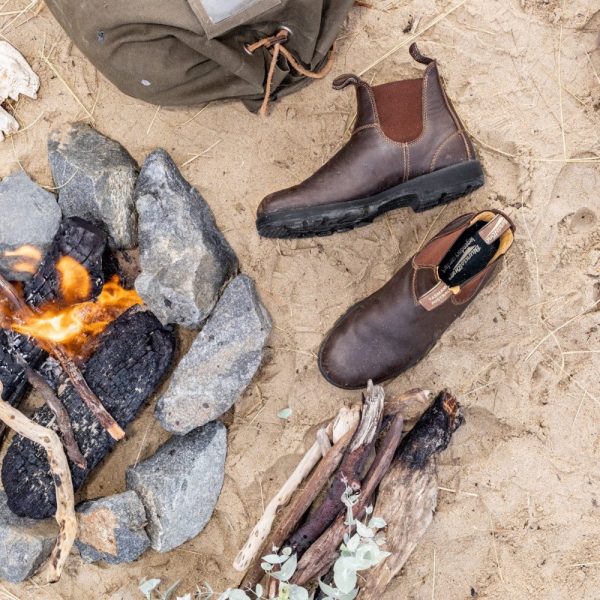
pixel 346 420
pixel 16 78
pixel 59 467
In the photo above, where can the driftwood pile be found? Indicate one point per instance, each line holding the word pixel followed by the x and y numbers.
pixel 363 449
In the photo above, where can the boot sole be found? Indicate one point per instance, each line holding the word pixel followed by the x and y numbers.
pixel 421 193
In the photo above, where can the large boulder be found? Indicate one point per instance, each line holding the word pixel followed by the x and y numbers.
pixel 111 529
pixel 24 544
pixel 96 178
pixel 221 362
pixel 180 485
pixel 30 216
pixel 185 259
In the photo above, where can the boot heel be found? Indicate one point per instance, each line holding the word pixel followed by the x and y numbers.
pixel 445 185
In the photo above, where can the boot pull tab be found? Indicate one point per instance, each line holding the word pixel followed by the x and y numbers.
pixel 342 81
pixel 416 54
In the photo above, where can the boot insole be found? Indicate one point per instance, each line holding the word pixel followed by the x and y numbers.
pixel 467 257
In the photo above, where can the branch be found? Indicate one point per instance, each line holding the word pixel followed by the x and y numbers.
pixel 324 552
pixel 349 474
pixel 59 467
pixel 301 503
pixel 56 406
pixel 346 420
pixel 90 399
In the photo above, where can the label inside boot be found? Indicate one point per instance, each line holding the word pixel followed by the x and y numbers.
pixel 468 256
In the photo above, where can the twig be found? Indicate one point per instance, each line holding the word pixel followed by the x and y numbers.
pixel 349 474
pixel 61 475
pixel 323 553
pixel 62 416
pixel 346 420
pixel 77 379
pixel 296 510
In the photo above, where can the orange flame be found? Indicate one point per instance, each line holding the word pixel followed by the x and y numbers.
pixel 28 258
pixel 74 322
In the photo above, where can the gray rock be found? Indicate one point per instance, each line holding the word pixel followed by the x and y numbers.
pixel 112 529
pixel 24 544
pixel 30 216
pixel 180 485
pixel 185 259
pixel 221 362
pixel 96 177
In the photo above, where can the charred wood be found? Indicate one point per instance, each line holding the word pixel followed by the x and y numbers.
pixel 134 355
pixel 79 240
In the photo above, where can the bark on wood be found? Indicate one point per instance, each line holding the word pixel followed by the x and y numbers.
pixel 61 477
pixel 324 552
pixel 78 239
pixel 71 369
pixel 347 420
pixel 349 474
pixel 135 353
pixel 408 402
pixel 60 412
pixel 300 504
pixel 408 493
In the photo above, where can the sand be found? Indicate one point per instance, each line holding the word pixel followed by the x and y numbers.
pixel 518 513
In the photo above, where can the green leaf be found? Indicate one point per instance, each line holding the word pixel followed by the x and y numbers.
pixel 298 593
pixel 148 586
pixel 353 543
pixel 286 413
pixel 345 580
pixel 287 569
pixel 377 523
pixel 266 567
pixel 274 559
pixel 259 590
pixel 238 595
pixel 363 530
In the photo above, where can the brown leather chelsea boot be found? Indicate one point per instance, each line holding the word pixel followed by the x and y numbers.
pixel 393 329
pixel 408 148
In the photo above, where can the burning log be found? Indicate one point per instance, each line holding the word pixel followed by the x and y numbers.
pixel 134 354
pixel 345 422
pixel 60 477
pixel 350 473
pixel 80 241
pixel 104 417
pixel 320 557
pixel 408 493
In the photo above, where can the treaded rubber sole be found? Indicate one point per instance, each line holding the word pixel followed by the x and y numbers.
pixel 421 193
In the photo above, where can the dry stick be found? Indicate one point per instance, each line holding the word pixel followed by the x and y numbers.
pixel 408 493
pixel 416 397
pixel 57 407
pixel 77 379
pixel 324 552
pixel 61 475
pixel 346 420
pixel 349 474
pixel 295 511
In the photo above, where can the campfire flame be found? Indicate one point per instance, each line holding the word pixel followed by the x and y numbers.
pixel 27 258
pixel 75 321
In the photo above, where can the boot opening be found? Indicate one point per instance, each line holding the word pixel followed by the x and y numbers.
pixel 400 109
pixel 470 254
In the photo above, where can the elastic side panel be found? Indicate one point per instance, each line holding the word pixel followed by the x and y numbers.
pixel 400 108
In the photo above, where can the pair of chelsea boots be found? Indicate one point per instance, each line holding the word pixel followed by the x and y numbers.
pixel 408 148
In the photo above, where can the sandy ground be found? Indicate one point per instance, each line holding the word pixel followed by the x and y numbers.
pixel 519 513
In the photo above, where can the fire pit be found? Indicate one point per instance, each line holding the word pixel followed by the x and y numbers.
pixel 96 350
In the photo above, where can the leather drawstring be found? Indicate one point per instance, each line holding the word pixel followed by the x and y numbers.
pixel 275 45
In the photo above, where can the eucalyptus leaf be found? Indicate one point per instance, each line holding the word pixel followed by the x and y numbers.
pixel 259 590
pixel 238 595
pixel 266 567
pixel 274 559
pixel 148 586
pixel 297 593
pixel 345 580
pixel 285 414
pixel 287 569
pixel 377 523
pixel 363 530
